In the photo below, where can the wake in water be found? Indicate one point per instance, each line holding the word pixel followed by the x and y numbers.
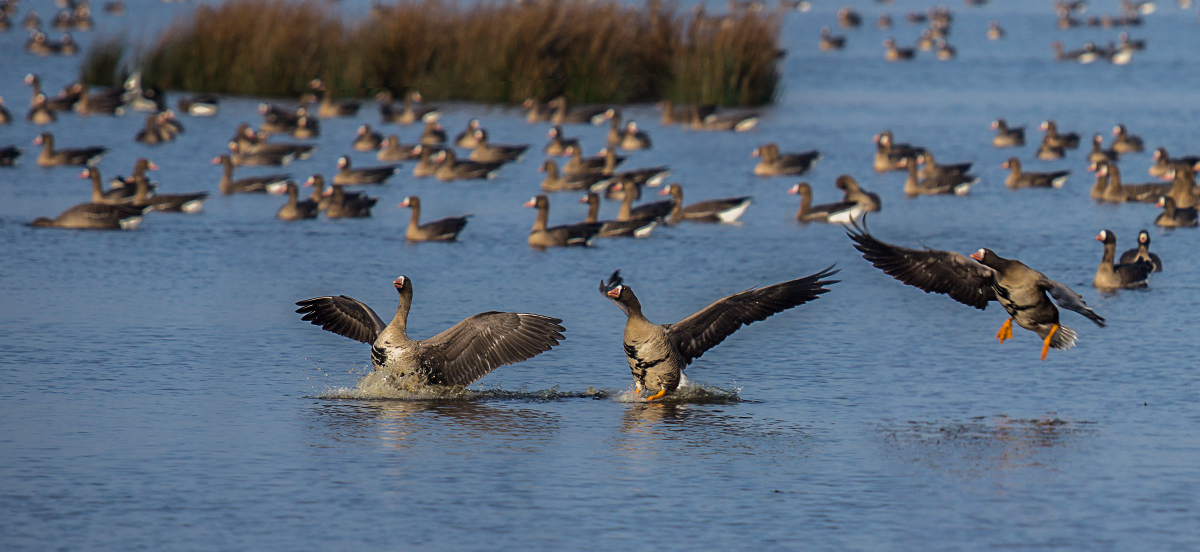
pixel 376 385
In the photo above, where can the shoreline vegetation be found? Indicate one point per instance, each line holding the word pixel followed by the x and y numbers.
pixel 490 52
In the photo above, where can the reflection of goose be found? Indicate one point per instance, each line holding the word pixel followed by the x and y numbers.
pixel 458 356
pixel 403 423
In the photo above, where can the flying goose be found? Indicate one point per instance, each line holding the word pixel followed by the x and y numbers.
pixel 658 353
pixel 460 355
pixel 979 280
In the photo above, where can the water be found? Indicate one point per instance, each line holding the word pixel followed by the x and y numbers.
pixel 160 392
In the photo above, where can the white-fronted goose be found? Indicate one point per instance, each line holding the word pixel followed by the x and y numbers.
pixel 979 280
pixel 153 133
pixel 1111 276
pixel 295 208
pixel 738 121
pixel 426 163
pixel 1142 253
pixel 488 152
pixel 713 210
pixel 262 157
pixel 554 182
pixel 273 183
pixel 446 229
pixel 995 31
pixel 1048 152
pixel 433 134
pixel 458 356
pixel 328 108
pixel 410 114
pixel 616 228
pixel 892 52
pixel 367 175
pixel 1118 192
pixel 451 168
pixel 170 203
pixel 615 131
pixel 1163 163
pixel 869 201
pixel 943 50
pixel 50 157
pixel 40 113
pixel 9 155
pixel 828 42
pixel 94 216
pixel 773 163
pixel 1126 142
pixel 253 143
pixel 682 114
pixel 949 182
pixel 1183 187
pixel 466 139
pixel 535 111
pixel 307 127
pixel 343 205
pixel 888 153
pixel 1098 152
pixel 884 22
pixel 614 189
pixel 101 103
pixel 65 101
pixel 559 143
pixel 1052 137
pixel 277 119
pixel 1173 216
pixel 928 167
pixel 842 212
pixel 542 236
pixel 634 138
pixel 1019 179
pixel 366 139
pixel 561 114
pixel 203 105
pixel 1007 137
pixel 658 353
pixel 655 210
pixel 603 163
pixel 128 185
pixel 393 150
pixel 1101 184
pixel 114 196
pixel 324 199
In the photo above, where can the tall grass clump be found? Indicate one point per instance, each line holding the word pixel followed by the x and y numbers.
pixel 102 64
pixel 496 51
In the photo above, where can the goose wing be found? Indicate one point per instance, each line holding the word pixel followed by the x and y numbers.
pixel 1068 299
pixel 700 332
pixel 474 347
pixel 931 270
pixel 345 316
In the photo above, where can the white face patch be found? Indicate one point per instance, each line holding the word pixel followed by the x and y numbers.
pixel 1104 234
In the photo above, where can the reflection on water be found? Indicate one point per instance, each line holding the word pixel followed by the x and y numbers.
pixel 985 444
pixel 704 431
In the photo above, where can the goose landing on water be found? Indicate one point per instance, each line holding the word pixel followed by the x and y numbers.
pixel 460 355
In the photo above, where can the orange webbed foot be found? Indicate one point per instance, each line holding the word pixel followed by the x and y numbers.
pixel 1005 331
pixel 1046 344
pixel 657 396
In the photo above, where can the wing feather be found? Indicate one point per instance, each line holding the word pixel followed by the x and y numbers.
pixel 474 347
pixel 345 316
pixel 702 331
pixel 1068 299
pixel 931 270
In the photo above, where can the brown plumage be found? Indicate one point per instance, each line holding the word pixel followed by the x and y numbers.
pixel 295 208
pixel 94 216
pixel 1142 253
pixel 460 355
pixel 50 157
pixel 1111 276
pixel 564 235
pixel 446 229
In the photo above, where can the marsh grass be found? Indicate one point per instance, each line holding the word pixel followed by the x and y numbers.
pixel 102 65
pixel 491 52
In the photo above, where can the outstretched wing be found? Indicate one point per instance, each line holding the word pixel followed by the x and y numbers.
pixel 700 332
pixel 474 347
pixel 342 315
pixel 932 270
pixel 1068 299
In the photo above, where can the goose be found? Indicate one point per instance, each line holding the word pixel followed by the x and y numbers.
pixel 103 103
pixel 616 228
pixel 203 105
pixel 929 167
pixel 979 280
pixel 1101 185
pixel 1163 163
pixel 541 236
pixel 561 114
pixel 868 201
pixel 1007 137
pixel 828 42
pixel 1048 152
pixel 487 152
pixel 153 133
pixel 682 114
pixel 1018 179
pixel 848 18
pixel 738 121
pixel 1125 142
pixel 170 203
pixel 393 150
pixel 1069 140
pixel 579 164
pixel 307 127
pixel 655 210
pixel 49 157
pixel 295 208
pixel 94 216
pixel 559 143
pixel 40 113
pixel 773 163
pixel 1173 216
pixel 1183 187
pixel 410 114
pixel 536 111
pixel 263 157
pixel 888 153
pixel 433 134
pixel 446 229
pixel 273 183
pixel 128 185
pixel 936 184
pixel 615 131
pixel 65 101
pixel 366 139
pixel 328 108
pixel 460 355
pixel 884 22
pixel 944 51
pixel 634 138
pixel 839 213
pixel 426 165
pixel 1111 276
pixel 323 200
pixel 250 144
pixel 277 119
pixel 658 353
pixel 466 139
pixel 729 209
pixel 343 205
pixel 1142 253
pixel 1098 152
pixel 368 175
pixel 450 168
pixel 995 31
pixel 114 196
pixel 614 187
pixel 1118 192
pixel 554 182
pixel 891 52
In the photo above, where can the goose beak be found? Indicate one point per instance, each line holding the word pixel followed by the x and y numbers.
pixel 795 189
pixel 308 183
pixel 583 199
pixel 399 282
pixel 531 203
pixel 84 174
pixel 403 203
pixel 664 191
pixel 614 292
pixel 1004 165
pixel 152 166
pixel 978 255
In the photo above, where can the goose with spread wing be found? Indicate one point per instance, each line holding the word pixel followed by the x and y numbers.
pixel 460 355
pixel 978 280
pixel 658 353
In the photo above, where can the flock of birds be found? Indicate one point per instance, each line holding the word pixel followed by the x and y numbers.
pixel 656 353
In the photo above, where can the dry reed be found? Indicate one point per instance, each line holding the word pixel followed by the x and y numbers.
pixel 491 52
